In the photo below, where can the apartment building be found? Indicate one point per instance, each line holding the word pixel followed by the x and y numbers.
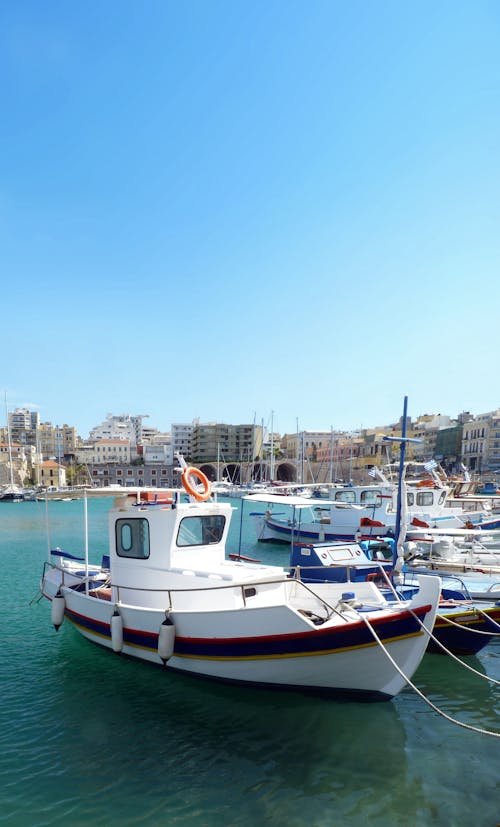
pixel 23 425
pixel 230 443
pixel 121 427
pixel 481 443
pixel 105 451
pixel 57 441
pixel 181 435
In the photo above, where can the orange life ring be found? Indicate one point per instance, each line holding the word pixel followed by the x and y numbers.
pixel 190 489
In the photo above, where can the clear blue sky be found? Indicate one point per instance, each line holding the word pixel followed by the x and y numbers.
pixel 222 209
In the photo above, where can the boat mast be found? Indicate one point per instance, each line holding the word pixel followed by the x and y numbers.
pixel 271 469
pixel 400 523
pixel 331 454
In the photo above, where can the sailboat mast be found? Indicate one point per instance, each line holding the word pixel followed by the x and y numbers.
pixel 272 447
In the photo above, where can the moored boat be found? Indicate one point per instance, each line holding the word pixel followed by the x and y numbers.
pixel 11 494
pixel 357 511
pixel 167 594
pixel 463 625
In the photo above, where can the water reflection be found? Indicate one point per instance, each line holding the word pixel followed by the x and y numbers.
pixel 97 738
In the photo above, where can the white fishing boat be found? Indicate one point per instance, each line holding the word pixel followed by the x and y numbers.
pixel 461 555
pixel 355 513
pixel 166 594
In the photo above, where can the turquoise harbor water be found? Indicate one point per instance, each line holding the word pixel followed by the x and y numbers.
pixel 88 737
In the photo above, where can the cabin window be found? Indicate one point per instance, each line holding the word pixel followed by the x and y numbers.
pixel 425 498
pixel 371 498
pixel 410 498
pixel 346 496
pixel 201 531
pixel 442 497
pixel 132 538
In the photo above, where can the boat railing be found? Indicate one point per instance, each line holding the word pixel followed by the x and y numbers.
pixel 247 589
pixel 94 576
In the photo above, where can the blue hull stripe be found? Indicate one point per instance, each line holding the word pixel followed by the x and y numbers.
pixel 303 644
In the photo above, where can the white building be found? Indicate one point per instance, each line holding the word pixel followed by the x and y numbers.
pixel 123 427
pixel 110 450
pixel 181 439
pixel 158 454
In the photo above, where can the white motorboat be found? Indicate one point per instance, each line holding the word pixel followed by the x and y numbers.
pixel 167 594
pixel 357 512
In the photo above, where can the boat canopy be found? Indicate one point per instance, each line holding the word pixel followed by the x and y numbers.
pixel 298 502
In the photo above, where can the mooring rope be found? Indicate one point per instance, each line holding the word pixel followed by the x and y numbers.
pixel 419 692
pixel 452 654
pixel 470 629
pixel 36 599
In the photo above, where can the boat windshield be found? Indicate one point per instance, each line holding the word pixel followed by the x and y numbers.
pixel 371 497
pixel 348 496
pixel 201 531
pixel 425 498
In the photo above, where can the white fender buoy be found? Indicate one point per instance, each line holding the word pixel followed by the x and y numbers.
pixel 166 639
pixel 57 610
pixel 116 631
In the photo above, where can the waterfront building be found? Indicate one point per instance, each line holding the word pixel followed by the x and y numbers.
pixel 84 453
pixel 154 474
pixel 448 448
pixel 23 424
pixel 120 427
pixel 105 451
pixel 22 458
pixel 481 443
pixel 153 454
pixel 181 435
pixel 229 443
pixel 52 474
pixel 307 444
pixel 57 441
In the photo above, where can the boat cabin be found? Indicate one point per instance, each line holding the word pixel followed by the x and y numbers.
pixel 156 546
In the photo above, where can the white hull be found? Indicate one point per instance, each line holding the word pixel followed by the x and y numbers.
pixel 267 645
pixel 274 530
